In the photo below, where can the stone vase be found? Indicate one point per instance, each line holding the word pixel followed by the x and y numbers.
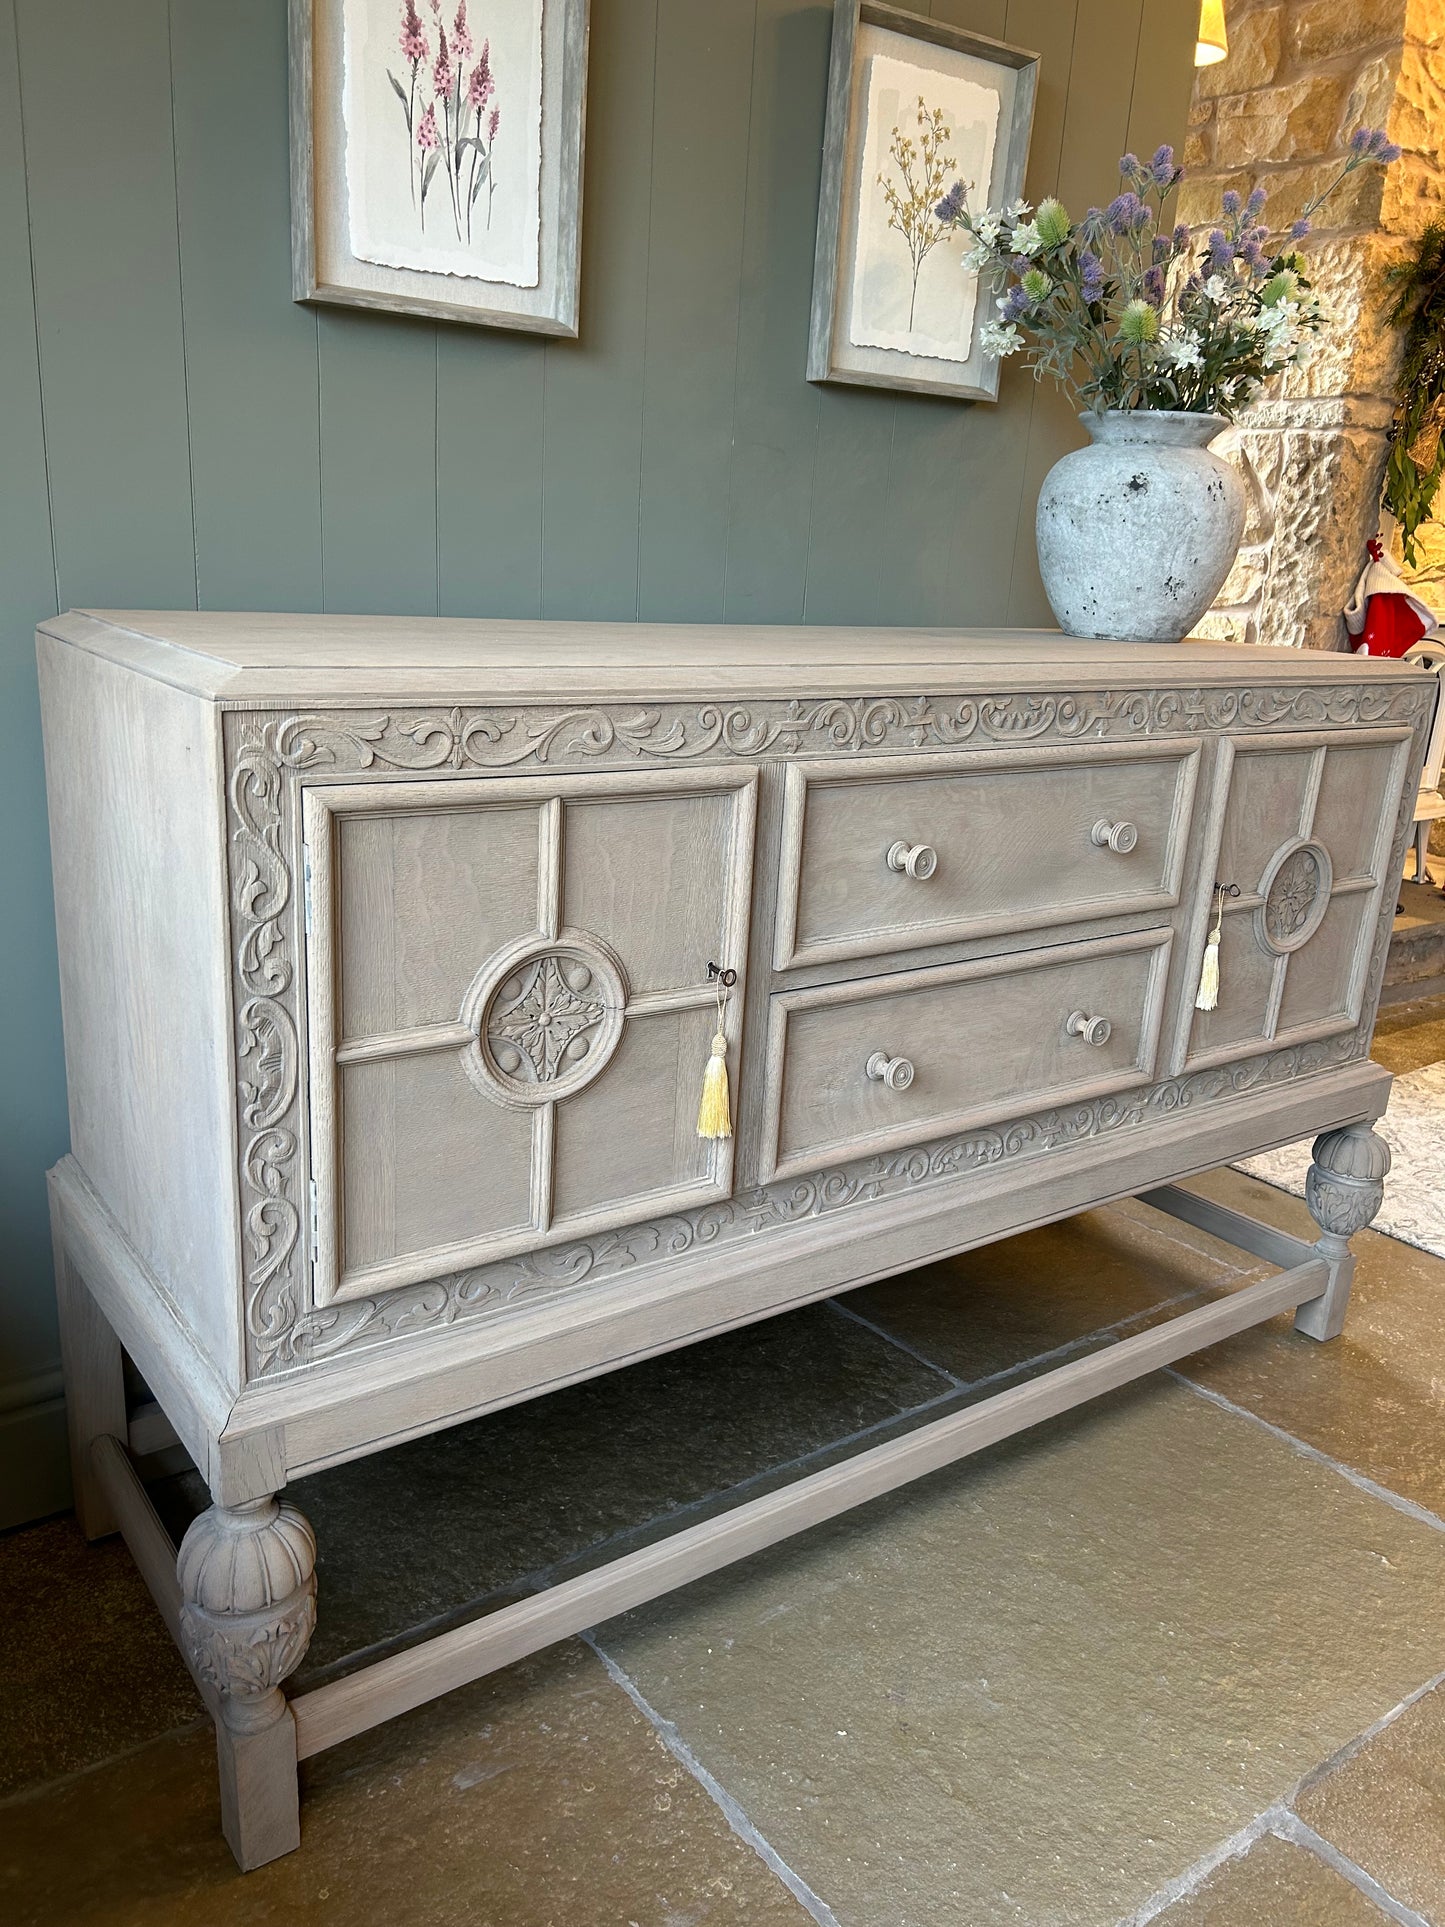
pixel 1137 532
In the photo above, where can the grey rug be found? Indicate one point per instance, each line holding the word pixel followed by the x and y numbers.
pixel 1414 1129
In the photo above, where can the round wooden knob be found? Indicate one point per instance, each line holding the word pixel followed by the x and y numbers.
pixel 1093 1030
pixel 916 860
pixel 1119 837
pixel 895 1072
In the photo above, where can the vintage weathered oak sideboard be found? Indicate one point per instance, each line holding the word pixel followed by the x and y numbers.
pixel 389 954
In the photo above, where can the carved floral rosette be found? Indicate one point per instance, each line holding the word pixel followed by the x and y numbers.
pixel 271 754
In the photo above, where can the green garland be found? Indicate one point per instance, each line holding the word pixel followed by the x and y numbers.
pixel 1417 445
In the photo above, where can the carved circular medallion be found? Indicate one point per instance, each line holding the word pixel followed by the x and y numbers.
pixel 547 1013
pixel 1296 892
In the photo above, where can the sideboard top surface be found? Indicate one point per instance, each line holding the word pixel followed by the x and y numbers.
pixel 252 658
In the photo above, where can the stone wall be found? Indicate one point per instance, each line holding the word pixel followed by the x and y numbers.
pixel 1300 76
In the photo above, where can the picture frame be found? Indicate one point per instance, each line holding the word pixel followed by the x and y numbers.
pixel 892 307
pixel 472 215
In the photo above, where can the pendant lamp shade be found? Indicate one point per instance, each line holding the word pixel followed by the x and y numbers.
pixel 1213 42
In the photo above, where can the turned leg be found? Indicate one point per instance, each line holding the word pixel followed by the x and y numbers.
pixel 248 1586
pixel 90 1358
pixel 1344 1189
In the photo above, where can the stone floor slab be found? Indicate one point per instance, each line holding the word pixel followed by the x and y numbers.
pixel 1039 1687
pixel 1276 1884
pixel 1370 1398
pixel 992 1310
pixel 87 1669
pixel 1385 1807
pixel 540 1798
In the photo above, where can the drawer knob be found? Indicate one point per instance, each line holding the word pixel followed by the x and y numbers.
pixel 1119 837
pixel 1093 1030
pixel 916 860
pixel 895 1072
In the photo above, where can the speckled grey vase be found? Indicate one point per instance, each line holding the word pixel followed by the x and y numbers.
pixel 1137 532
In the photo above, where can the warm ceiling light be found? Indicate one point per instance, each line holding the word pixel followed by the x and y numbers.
pixel 1213 42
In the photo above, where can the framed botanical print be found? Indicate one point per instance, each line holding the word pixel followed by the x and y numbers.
pixel 914 106
pixel 436 157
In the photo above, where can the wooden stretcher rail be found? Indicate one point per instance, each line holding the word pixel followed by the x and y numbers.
pixel 345 1707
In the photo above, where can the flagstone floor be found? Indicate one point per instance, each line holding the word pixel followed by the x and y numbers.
pixel 1175 1657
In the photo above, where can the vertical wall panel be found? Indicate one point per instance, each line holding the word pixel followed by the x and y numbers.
pixel 250 351
pixel 592 421
pixel 699 184
pixel 32 1093
pixel 101 179
pixel 489 472
pixel 775 419
pixel 378 463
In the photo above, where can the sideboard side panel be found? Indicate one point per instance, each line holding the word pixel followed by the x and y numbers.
pixel 133 778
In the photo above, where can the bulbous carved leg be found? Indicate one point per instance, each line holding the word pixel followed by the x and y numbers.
pixel 1344 1189
pixel 248 1585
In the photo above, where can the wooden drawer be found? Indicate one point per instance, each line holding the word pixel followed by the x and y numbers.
pixel 895 852
pixel 978 1043
pixel 510 1010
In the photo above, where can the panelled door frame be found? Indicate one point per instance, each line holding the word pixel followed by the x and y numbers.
pixel 1250 901
pixel 324 804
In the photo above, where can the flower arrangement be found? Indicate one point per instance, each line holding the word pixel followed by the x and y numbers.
pixel 1127 309
pixel 445 108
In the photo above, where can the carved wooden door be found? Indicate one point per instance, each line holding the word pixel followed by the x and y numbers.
pixel 510 1010
pixel 1300 834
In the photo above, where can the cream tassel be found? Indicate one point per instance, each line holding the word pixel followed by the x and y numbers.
pixel 1208 997
pixel 714 1118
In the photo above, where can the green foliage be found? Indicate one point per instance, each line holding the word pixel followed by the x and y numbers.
pixel 1417 448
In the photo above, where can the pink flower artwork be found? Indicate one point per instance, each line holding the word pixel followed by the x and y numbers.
pixel 445 112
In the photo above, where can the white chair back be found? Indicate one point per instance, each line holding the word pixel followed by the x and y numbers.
pixel 1430 651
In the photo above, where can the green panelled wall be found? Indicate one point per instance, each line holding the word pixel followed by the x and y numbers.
pixel 177 432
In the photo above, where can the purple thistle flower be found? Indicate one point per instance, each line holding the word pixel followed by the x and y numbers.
pixel 1016 303
pixel 1182 235
pixel 1154 286
pixel 1256 201
pixel 1299 229
pixel 1162 165
pixel 1230 203
pixel 950 207
pixel 413 40
pixel 1091 272
pixel 1252 254
pixel 1162 248
pixel 1390 151
pixel 1121 211
pixel 1360 140
pixel 1129 166
pixel 1221 251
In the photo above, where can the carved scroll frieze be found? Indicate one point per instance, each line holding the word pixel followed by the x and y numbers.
pixel 270 756
pixel 461 739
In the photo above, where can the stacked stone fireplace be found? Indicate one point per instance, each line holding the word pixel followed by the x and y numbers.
pixel 1301 74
